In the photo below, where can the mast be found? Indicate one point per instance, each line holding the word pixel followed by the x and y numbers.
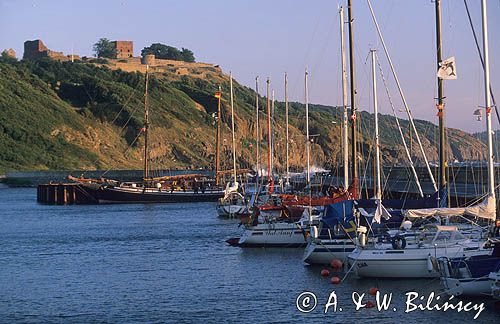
pixel 403 98
pixel 345 145
pixel 232 127
pixel 146 126
pixel 354 153
pixel 487 99
pixel 218 95
pixel 269 144
pixel 273 137
pixel 378 194
pixel 257 130
pixel 286 122
pixel 308 142
pixel 440 100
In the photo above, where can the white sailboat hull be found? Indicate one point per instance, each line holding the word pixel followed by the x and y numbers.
pixel 273 235
pixel 409 263
pixel 231 210
pixel 324 251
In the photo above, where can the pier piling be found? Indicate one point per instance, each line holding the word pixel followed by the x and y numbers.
pixel 61 194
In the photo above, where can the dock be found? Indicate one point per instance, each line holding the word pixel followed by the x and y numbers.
pixel 63 194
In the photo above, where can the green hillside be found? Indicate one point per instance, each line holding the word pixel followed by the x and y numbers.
pixel 67 116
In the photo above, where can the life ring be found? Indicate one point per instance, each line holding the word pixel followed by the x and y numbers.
pixel 398 242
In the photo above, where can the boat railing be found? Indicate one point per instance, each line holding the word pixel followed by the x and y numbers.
pixel 453 268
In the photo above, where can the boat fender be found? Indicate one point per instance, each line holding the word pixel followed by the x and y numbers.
pixel 406 225
pixel 398 242
pixel 432 264
pixel 314 231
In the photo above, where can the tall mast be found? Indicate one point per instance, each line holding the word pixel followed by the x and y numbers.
pixel 286 122
pixel 354 151
pixel 345 145
pixel 218 95
pixel 273 139
pixel 378 194
pixel 269 144
pixel 403 98
pixel 232 127
pixel 487 100
pixel 440 99
pixel 308 142
pixel 257 130
pixel 146 126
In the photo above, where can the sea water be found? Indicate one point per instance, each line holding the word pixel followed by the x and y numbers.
pixel 170 263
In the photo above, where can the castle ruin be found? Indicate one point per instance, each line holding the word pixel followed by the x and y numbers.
pixel 36 49
pixel 124 49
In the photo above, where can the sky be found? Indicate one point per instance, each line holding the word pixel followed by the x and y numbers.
pixel 268 38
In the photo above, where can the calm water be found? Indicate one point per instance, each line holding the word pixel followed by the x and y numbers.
pixel 166 263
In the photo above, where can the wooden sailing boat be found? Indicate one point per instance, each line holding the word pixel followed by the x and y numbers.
pixel 167 189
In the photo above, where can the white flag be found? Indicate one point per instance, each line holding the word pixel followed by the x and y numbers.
pixel 447 69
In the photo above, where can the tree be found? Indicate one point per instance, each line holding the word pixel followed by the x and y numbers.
pixel 165 52
pixel 187 55
pixel 105 48
pixel 5 57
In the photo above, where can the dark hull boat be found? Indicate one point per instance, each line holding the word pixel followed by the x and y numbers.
pixel 157 190
pixel 180 188
pixel 113 195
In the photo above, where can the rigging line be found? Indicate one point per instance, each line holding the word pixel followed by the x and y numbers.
pixel 135 139
pixel 384 81
pixel 322 53
pixel 298 79
pixel 124 105
pixel 480 56
pixel 403 98
pixel 114 119
pixel 121 130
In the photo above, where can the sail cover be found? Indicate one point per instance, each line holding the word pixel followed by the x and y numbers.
pixel 485 209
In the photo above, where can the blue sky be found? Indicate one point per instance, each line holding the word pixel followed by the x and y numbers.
pixel 267 38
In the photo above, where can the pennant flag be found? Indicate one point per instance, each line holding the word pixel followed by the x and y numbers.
pixel 447 69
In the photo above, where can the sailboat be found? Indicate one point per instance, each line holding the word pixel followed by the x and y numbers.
pixel 336 236
pixel 166 189
pixel 417 258
pixel 284 229
pixel 234 204
pixel 471 275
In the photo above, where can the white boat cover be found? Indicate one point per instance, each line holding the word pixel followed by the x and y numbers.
pixel 485 209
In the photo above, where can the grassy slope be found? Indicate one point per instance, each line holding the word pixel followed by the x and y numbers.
pixel 62 116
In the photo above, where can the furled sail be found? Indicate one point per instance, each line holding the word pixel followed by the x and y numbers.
pixel 485 209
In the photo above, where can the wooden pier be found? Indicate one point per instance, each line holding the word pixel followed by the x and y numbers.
pixel 63 194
